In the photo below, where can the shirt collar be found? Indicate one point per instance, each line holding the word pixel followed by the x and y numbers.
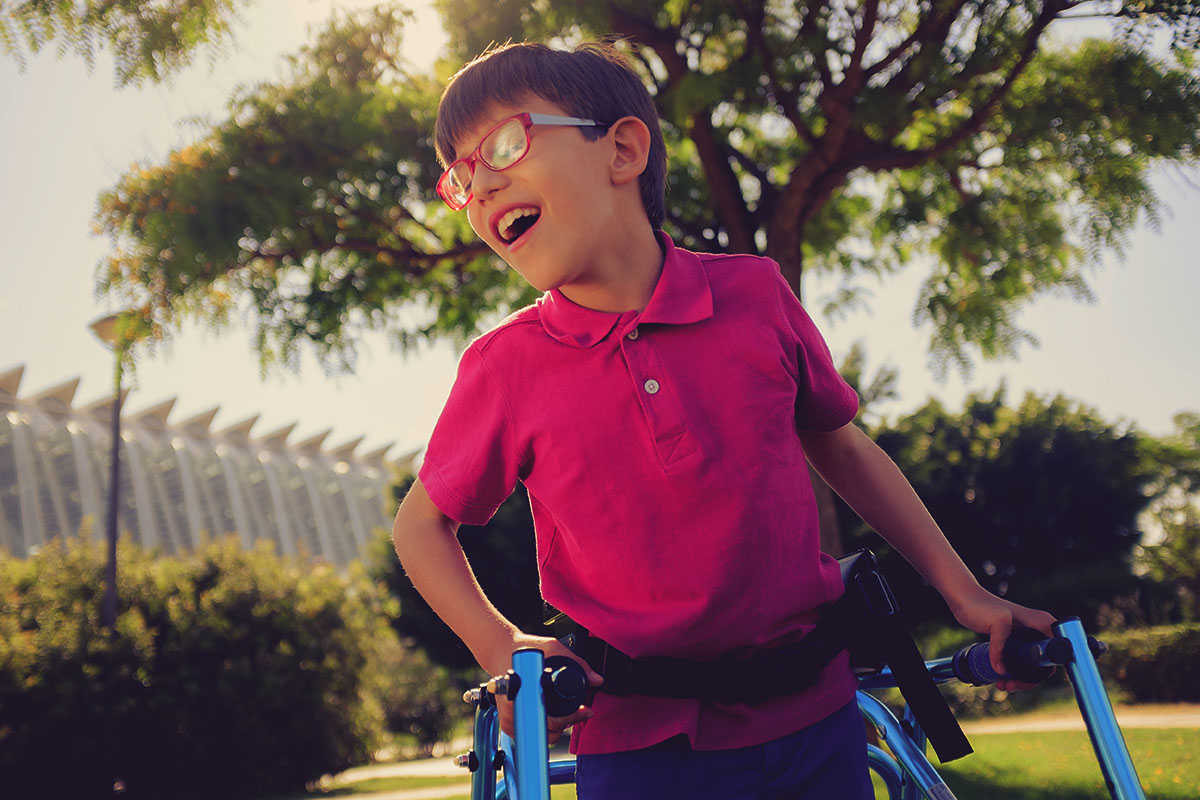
pixel 681 296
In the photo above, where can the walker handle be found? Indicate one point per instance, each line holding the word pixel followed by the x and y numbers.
pixel 1029 656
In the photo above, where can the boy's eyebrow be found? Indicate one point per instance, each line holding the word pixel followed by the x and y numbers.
pixel 473 123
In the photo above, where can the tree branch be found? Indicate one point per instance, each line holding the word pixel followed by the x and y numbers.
pixel 854 79
pixel 810 30
pixel 785 98
pixel 888 157
pixel 726 195
pixel 767 192
pixel 409 215
pixel 926 28
pixel 426 260
pixel 956 182
pixel 928 37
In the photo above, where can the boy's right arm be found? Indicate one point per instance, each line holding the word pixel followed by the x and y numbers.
pixel 427 545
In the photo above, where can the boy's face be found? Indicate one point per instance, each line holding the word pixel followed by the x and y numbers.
pixel 564 177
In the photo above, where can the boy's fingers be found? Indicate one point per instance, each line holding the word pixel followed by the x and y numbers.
pixel 556 725
pixel 1039 621
pixel 582 713
pixel 997 636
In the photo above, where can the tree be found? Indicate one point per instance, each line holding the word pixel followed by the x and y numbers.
pixel 1175 559
pixel 1041 501
pixel 834 139
pixel 149 41
pixel 803 134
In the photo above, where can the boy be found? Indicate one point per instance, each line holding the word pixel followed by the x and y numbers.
pixel 660 407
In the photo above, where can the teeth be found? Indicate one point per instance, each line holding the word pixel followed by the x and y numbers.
pixel 512 216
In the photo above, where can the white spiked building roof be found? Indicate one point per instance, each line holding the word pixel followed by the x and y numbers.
pixel 181 476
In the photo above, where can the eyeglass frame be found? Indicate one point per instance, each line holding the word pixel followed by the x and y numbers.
pixel 528 120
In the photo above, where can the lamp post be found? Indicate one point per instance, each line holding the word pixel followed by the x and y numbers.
pixel 118 331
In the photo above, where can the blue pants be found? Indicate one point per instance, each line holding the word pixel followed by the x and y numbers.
pixel 828 759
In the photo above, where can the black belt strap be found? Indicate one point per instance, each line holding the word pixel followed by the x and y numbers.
pixel 882 638
pixel 865 619
pixel 752 678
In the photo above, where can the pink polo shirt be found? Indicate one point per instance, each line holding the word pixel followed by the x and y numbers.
pixel 671 500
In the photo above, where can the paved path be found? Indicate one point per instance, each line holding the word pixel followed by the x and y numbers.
pixel 1174 715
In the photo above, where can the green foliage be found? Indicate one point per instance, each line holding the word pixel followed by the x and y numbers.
pixel 1041 501
pixel 148 41
pixel 1012 163
pixel 1155 664
pixel 313 200
pixel 504 560
pixel 1175 561
pixel 418 697
pixel 880 388
pixel 230 673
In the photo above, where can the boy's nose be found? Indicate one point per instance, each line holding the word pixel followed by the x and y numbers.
pixel 485 180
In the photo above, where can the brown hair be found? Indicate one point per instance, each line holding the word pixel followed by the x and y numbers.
pixel 593 81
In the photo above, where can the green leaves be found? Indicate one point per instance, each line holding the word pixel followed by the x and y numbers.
pixel 215 657
pixel 312 204
pixel 1041 499
pixel 149 42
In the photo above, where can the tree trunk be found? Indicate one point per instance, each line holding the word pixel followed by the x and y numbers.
pixel 788 254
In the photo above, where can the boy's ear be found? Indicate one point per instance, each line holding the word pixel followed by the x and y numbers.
pixel 631 149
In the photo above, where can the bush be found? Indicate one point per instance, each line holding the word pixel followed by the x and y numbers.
pixel 419 698
pixel 1155 664
pixel 230 672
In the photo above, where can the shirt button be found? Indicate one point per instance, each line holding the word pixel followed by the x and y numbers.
pixel 651 386
pixel 633 334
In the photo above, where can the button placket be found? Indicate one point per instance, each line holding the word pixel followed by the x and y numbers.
pixel 661 405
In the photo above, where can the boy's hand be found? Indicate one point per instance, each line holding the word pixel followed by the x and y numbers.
pixel 554 725
pixel 984 612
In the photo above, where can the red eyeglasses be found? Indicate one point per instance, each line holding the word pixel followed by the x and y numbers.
pixel 500 148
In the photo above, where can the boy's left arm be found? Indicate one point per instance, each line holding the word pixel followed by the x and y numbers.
pixel 871 483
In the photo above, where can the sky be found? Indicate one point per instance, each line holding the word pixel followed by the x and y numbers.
pixel 67 135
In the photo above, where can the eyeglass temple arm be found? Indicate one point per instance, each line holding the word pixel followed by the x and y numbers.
pixel 553 119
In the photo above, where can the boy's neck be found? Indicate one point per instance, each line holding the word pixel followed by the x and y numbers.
pixel 625 274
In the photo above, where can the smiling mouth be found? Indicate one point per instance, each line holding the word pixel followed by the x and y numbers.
pixel 517 231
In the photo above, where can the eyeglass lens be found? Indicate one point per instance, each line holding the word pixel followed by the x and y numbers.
pixel 502 148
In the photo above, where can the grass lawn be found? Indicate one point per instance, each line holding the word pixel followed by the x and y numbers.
pixel 1062 766
pixel 370 786
pixel 1006 766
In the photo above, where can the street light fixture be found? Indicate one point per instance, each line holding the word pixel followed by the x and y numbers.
pixel 119 332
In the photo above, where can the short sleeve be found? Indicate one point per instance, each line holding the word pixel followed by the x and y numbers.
pixel 472 463
pixel 824 401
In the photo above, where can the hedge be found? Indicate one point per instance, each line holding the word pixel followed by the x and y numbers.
pixel 230 673
pixel 1155 664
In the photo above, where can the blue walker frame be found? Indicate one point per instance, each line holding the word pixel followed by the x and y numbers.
pixel 906 770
